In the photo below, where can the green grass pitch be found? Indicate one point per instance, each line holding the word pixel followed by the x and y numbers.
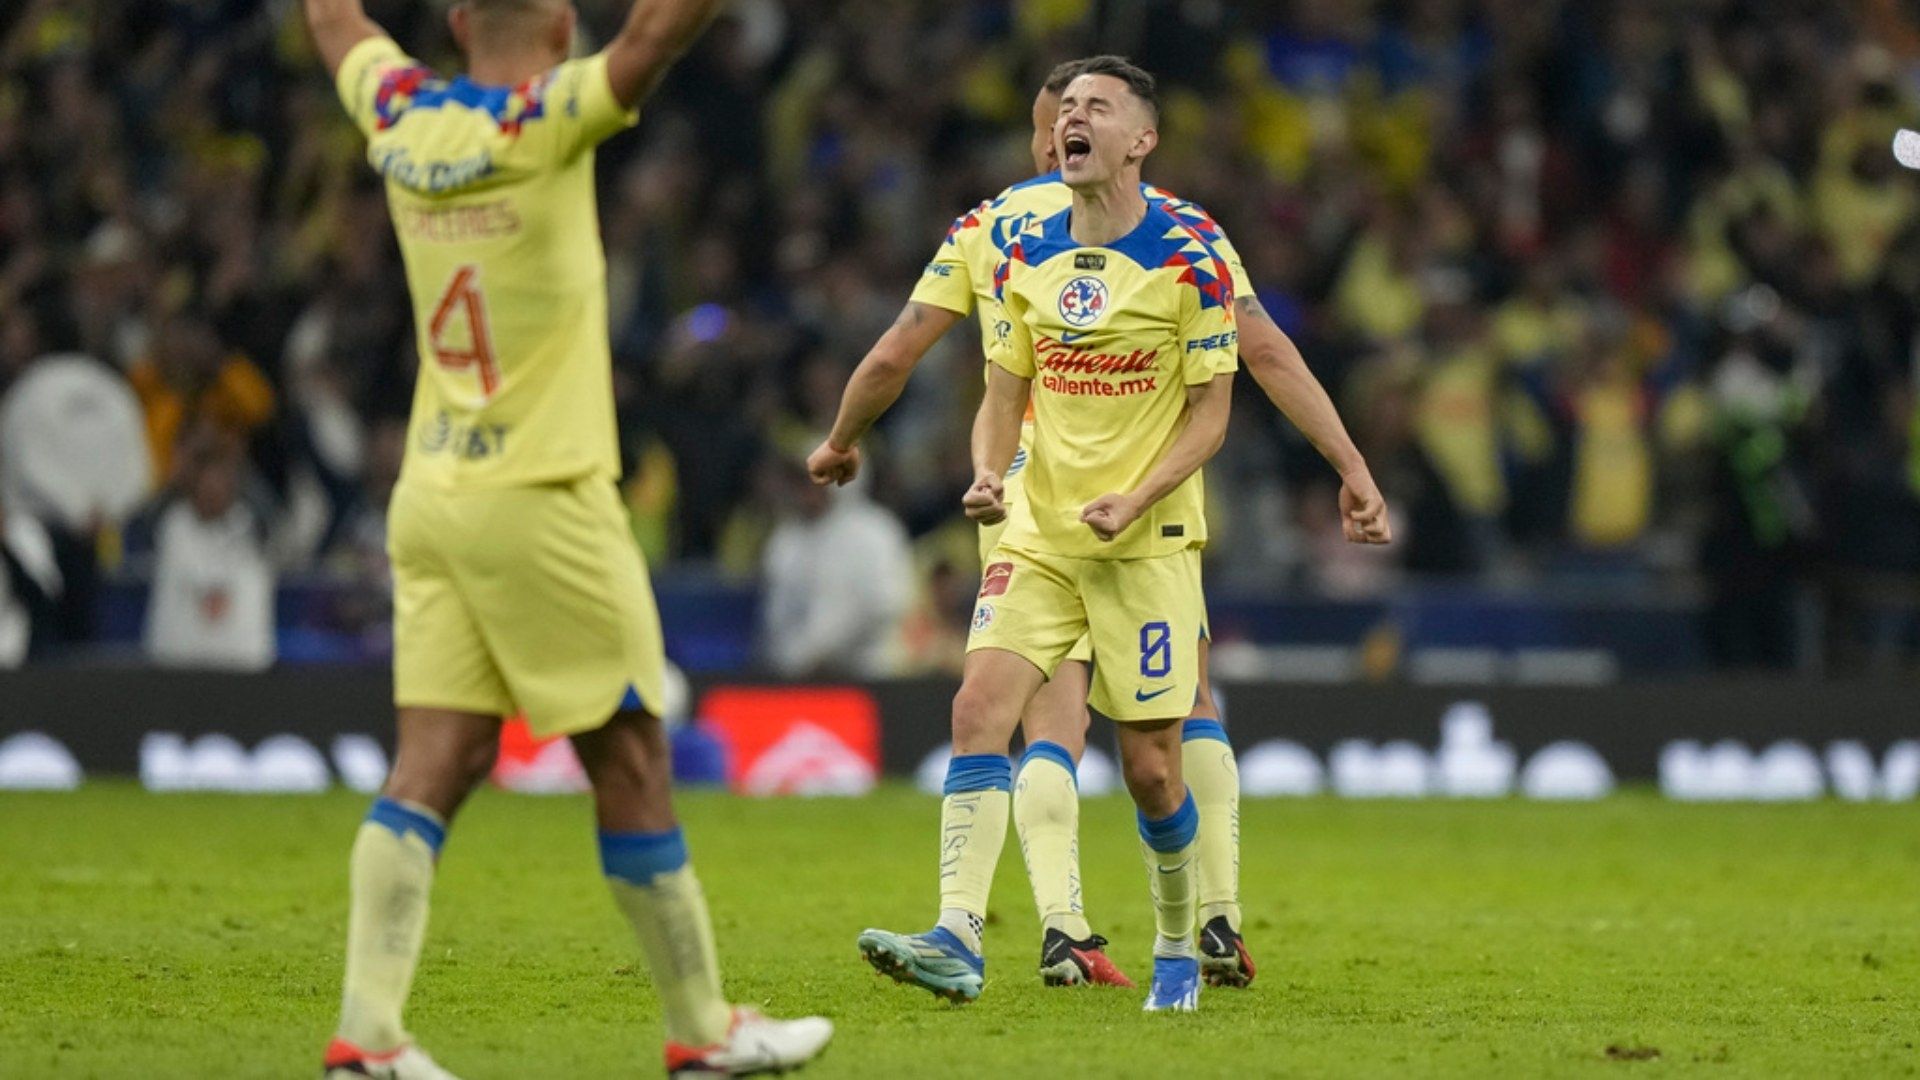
pixel 181 935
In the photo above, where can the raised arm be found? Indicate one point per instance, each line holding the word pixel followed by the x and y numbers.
pixel 876 384
pixel 1208 405
pixel 655 34
pixel 337 26
pixel 996 439
pixel 1276 364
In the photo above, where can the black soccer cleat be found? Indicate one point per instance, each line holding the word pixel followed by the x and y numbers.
pixel 1066 962
pixel 1224 960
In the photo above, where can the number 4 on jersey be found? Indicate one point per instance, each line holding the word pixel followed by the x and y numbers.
pixel 464 304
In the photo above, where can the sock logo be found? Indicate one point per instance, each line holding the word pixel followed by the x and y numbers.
pixel 957 834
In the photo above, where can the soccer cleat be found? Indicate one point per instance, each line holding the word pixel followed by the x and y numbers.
pixel 754 1044
pixel 408 1062
pixel 1066 962
pixel 935 960
pixel 1224 960
pixel 1176 985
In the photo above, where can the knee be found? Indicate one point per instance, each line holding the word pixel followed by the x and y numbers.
pixel 439 776
pixel 979 725
pixel 478 763
pixel 1154 783
pixel 625 755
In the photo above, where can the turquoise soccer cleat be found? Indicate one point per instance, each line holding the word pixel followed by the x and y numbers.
pixel 1176 985
pixel 935 960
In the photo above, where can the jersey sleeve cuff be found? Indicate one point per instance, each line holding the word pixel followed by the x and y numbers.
pixel 945 299
pixel 1201 369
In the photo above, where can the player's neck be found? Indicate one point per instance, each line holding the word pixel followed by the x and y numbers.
pixel 1107 212
pixel 508 67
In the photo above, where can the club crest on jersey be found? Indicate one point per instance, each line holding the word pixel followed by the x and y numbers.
pixel 1083 301
pixel 982 617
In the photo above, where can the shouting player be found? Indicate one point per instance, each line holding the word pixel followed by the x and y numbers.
pixel 1045 805
pixel 1120 331
pixel 517 584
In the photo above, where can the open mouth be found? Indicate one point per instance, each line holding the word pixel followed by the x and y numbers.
pixel 1078 148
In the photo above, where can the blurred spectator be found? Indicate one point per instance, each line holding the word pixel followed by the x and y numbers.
pixel 29 586
pixel 186 378
pixel 73 459
pixel 838 580
pixel 1511 226
pixel 212 599
pixel 1762 524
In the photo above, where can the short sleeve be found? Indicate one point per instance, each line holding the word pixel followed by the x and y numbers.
pixel 371 76
pixel 1013 349
pixel 1236 270
pixel 1209 337
pixel 947 282
pixel 1196 217
pixel 578 106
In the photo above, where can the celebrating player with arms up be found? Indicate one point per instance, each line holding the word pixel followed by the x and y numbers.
pixel 1120 330
pixel 1045 802
pixel 517 584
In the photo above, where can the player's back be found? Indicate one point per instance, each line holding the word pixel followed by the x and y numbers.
pixel 491 193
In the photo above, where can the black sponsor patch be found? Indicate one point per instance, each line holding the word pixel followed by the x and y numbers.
pixel 1173 530
pixel 1089 261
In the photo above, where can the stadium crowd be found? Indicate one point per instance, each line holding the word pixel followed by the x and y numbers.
pixel 1620 292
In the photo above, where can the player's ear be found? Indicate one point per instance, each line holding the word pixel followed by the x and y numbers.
pixel 460 21
pixel 1144 143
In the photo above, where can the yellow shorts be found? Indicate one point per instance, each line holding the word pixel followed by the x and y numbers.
pixel 1082 651
pixel 532 598
pixel 1143 618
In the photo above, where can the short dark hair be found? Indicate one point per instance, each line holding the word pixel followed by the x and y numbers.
pixel 1138 80
pixel 1063 73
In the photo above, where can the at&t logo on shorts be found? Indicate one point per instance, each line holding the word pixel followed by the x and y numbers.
pixel 1083 301
pixel 982 617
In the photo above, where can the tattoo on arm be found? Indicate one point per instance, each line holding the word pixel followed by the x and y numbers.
pixel 1250 306
pixel 910 316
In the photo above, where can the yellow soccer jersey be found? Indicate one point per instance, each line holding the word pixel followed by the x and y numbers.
pixel 491 192
pixel 1111 338
pixel 960 276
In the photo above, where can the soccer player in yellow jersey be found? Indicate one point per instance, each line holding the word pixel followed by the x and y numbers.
pixel 1124 313
pixel 1044 803
pixel 517 584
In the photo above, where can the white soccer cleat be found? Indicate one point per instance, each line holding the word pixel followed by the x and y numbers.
pixel 754 1044
pixel 345 1061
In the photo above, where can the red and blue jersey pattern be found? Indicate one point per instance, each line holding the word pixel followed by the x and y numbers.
pixel 403 90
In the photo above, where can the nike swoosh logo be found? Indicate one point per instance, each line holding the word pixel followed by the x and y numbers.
pixel 1142 695
pixel 1068 339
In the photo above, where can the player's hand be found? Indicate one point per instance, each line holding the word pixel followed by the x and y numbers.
pixel 829 465
pixel 1109 515
pixel 985 501
pixel 1363 512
